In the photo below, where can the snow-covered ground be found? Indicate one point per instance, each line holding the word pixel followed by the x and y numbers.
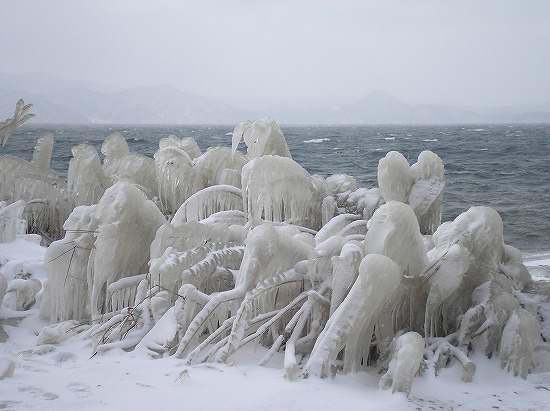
pixel 67 376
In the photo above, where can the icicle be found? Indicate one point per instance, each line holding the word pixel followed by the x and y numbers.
pixel 208 201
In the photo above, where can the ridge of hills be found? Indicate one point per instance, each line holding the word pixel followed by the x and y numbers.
pixel 62 101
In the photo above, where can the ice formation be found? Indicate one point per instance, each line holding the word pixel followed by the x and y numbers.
pixel 179 176
pixel 210 200
pixel 121 165
pixel 86 179
pixel 352 323
pixel 406 357
pixel 24 293
pixel 47 205
pixel 20 117
pixel 66 263
pixel 262 137
pixel 255 249
pixel 11 221
pixel 278 189
pixel 127 224
pixel 420 185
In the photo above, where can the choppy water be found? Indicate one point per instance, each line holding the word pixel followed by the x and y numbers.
pixel 506 167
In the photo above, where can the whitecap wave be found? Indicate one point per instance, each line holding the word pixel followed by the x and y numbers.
pixel 536 259
pixel 317 140
pixel 430 140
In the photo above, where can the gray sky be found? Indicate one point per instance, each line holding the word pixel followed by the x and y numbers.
pixel 493 52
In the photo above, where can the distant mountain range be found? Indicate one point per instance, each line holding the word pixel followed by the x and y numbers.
pixel 61 101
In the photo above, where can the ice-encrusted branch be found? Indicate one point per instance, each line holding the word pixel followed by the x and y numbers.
pixel 20 117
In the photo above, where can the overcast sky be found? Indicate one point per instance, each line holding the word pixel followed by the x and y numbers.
pixel 493 52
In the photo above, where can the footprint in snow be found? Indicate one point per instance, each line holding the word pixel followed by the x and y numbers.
pixel 79 389
pixel 64 359
pixel 38 392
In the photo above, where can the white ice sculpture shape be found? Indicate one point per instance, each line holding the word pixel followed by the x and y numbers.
pixel 519 339
pixel 11 221
pixel 42 154
pixel 175 177
pixel 188 144
pixel 340 186
pixel 47 204
pixel 420 185
pixel 114 147
pixel 25 292
pixel 351 326
pixel 479 230
pixel 278 189
pixel 269 252
pixel 262 137
pixel 320 258
pixel 336 226
pixel 394 232
pixel 208 201
pixel 364 201
pixel 179 177
pixel 344 273
pixel 182 236
pixel 443 282
pixel 498 323
pixel 406 355
pixel 329 241
pixel 395 178
pixel 128 222
pixel 426 195
pixel 66 262
pixel 512 267
pixel 86 179
pixel 121 165
pixel 329 209
pixel 20 117
pixel 218 165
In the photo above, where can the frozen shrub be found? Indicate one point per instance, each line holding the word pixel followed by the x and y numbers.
pixel 11 221
pixel 262 137
pixel 86 179
pixel 24 293
pixel 20 117
pixel 406 355
pixel 278 189
pixel 127 224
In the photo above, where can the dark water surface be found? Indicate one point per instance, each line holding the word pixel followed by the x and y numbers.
pixel 506 167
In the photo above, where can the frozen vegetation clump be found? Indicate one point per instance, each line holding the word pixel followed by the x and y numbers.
pixel 20 117
pixel 47 203
pixel 195 255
